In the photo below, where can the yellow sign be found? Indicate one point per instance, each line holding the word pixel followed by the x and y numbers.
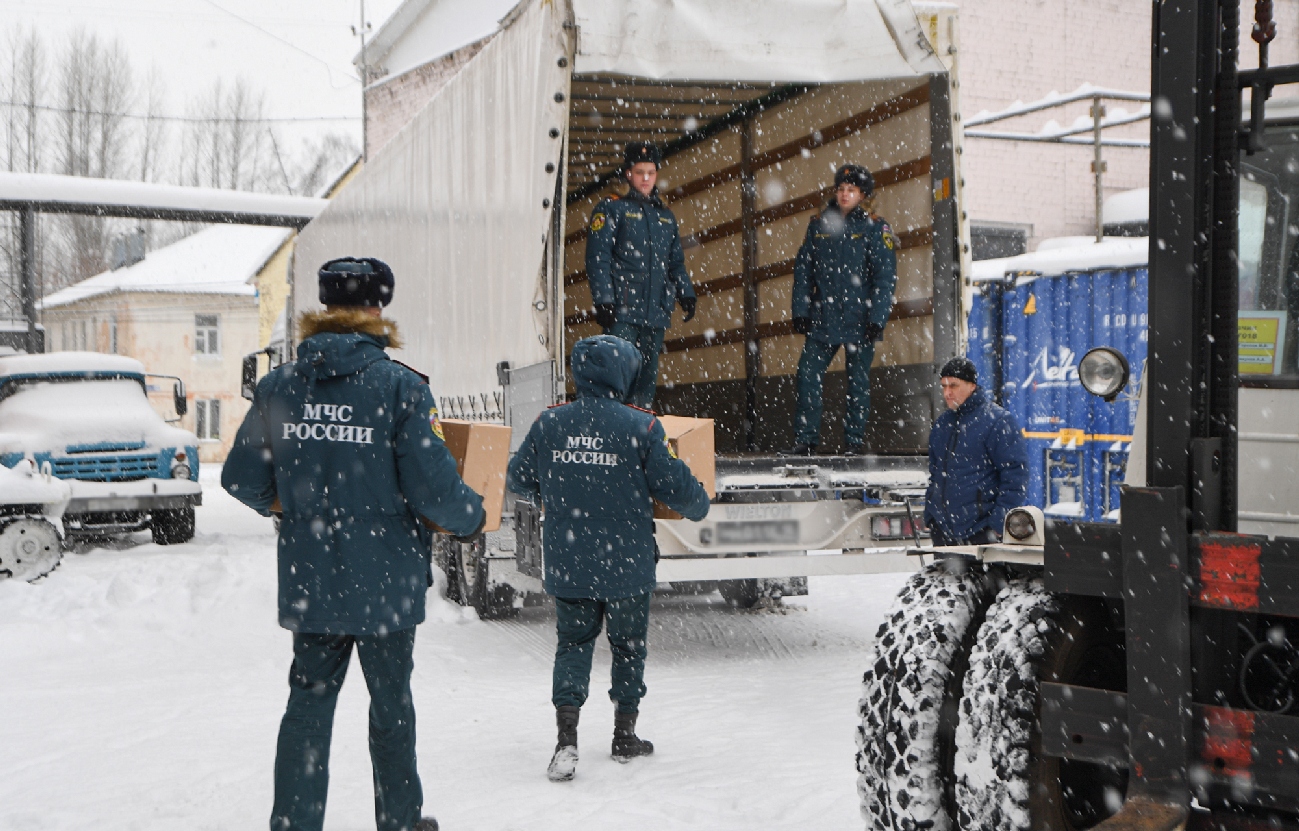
pixel 1262 342
pixel 1030 308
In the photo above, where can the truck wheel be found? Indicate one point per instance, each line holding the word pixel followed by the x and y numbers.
pixel 473 586
pixel 30 548
pixel 1002 780
pixel 910 692
pixel 444 556
pixel 740 593
pixel 172 526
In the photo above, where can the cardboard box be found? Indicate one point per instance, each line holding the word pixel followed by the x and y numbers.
pixel 692 440
pixel 482 453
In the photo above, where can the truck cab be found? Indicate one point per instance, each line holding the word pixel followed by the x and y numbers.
pixel 85 418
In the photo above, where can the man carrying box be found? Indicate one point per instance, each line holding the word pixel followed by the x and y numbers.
pixel 597 464
pixel 347 442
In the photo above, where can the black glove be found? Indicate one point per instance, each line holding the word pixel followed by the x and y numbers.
pixel 604 314
pixel 474 535
pixel 687 306
pixel 802 325
pixel 874 333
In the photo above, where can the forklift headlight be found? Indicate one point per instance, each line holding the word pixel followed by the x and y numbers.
pixel 1021 524
pixel 1103 372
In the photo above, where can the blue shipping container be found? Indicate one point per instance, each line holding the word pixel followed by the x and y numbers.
pixel 1026 337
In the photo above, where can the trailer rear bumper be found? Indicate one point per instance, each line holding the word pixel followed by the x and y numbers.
pixel 875 561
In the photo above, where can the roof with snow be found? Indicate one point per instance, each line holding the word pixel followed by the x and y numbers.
pixel 52 193
pixel 1062 255
pixel 68 362
pixel 221 259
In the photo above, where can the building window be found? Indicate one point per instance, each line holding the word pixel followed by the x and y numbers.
pixel 207 418
pixel 207 335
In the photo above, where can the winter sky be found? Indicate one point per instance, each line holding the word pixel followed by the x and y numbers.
pixel 298 51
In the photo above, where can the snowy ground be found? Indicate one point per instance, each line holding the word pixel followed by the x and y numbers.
pixel 141 688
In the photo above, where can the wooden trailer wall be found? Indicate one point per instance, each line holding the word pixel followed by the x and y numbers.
pixel 740 242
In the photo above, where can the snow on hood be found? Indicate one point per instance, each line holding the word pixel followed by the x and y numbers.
pixel 605 366
pixel 1059 256
pixel 24 485
pixel 63 362
pixel 49 416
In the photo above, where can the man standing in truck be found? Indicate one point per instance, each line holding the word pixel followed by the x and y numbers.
pixel 596 465
pixel 844 276
pixel 978 462
pixel 346 444
pixel 636 268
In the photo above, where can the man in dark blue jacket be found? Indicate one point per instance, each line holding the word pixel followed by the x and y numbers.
pixel 596 465
pixel 346 444
pixel 844 277
pixel 635 267
pixel 978 463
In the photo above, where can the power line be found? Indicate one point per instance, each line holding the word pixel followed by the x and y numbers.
pixel 287 43
pixel 190 119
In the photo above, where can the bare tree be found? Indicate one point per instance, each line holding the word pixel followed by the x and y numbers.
pixel 321 162
pixel 227 143
pixel 24 90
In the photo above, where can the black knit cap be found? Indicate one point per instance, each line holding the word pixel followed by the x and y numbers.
pixel 641 151
pixel 855 174
pixel 962 368
pixel 356 281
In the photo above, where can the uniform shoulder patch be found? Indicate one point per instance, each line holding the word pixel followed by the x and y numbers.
pixel 890 241
pixel 597 222
pixel 435 423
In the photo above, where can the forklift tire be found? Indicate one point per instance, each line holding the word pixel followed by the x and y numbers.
pixel 172 526
pixel 1002 780
pixel 910 695
pixel 472 585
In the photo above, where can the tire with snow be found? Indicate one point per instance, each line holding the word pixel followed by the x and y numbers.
pixel 172 526
pixel 30 548
pixel 910 693
pixel 1003 782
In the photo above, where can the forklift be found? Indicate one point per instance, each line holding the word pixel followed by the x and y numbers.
pixel 1138 675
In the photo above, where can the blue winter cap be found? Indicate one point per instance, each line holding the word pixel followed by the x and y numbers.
pixel 605 366
pixel 962 368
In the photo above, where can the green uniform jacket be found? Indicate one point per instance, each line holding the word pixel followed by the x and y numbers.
pixel 634 260
pixel 844 275
pixel 596 463
pixel 347 440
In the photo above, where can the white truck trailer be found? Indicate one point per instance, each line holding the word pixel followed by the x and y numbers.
pixel 480 204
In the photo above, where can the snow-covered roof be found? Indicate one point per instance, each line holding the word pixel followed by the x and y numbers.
pixel 1126 207
pixel 68 362
pixel 221 259
pixel 1065 254
pixel 699 40
pixel 422 30
pixel 54 193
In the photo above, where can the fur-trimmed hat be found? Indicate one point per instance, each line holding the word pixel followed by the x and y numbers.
pixel 356 281
pixel 641 151
pixel 855 174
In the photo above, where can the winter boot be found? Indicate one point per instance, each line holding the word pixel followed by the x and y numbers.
pixel 426 824
pixel 626 745
pixel 564 763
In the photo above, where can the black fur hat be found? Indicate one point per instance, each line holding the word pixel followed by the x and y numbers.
pixel 960 367
pixel 855 174
pixel 641 151
pixel 356 281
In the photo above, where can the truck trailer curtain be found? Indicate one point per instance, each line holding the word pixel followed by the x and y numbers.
pixel 458 203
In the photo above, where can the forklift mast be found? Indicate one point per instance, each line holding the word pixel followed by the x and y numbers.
pixel 1184 579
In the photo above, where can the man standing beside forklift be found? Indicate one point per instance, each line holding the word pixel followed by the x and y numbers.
pixel 636 268
pixel 844 276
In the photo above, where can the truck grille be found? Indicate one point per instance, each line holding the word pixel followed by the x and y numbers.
pixel 115 468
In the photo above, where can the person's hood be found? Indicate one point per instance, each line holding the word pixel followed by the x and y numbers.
pixel 342 341
pixel 604 366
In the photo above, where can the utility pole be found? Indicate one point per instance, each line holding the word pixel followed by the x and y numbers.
pixel 365 81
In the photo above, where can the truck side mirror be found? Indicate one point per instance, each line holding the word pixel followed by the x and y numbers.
pixel 178 398
pixel 248 376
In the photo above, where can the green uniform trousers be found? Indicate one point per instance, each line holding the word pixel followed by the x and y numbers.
pixel 811 374
pixel 649 341
pixel 578 625
pixel 302 755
